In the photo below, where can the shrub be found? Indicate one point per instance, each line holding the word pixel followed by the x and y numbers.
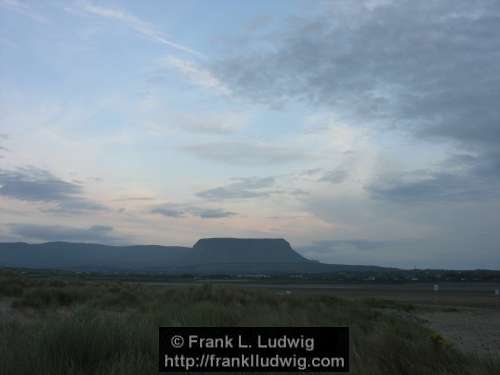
pixel 50 297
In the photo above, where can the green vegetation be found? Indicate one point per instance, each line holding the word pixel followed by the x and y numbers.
pixel 58 327
pixel 388 304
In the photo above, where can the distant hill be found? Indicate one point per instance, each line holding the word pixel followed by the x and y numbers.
pixel 207 256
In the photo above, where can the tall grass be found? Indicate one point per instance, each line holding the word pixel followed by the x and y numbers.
pixel 112 328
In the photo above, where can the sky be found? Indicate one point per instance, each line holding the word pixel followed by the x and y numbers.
pixel 363 132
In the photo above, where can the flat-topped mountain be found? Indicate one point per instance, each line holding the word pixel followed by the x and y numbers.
pixel 246 250
pixel 207 256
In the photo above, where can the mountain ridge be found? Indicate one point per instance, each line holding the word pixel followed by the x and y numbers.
pixel 207 256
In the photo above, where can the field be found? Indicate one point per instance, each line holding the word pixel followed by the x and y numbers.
pixel 467 314
pixel 69 326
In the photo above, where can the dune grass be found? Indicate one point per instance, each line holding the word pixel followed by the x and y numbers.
pixel 112 328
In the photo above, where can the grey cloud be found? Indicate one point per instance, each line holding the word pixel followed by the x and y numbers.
pixel 436 187
pixel 96 233
pixel 249 188
pixel 169 210
pixel 427 67
pixel 37 185
pixel 486 166
pixel 460 178
pixel 451 224
pixel 33 184
pixel 297 192
pixel 76 205
pixel 245 153
pixel 311 172
pixel 181 210
pixel 211 213
pixel 243 188
pixel 334 177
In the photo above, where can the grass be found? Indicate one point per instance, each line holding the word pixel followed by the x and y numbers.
pixel 76 328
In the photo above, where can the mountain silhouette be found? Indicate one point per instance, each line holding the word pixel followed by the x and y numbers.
pixel 207 256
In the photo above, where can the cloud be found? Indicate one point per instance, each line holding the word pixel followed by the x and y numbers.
pixel 170 210
pixel 243 188
pixel 433 218
pixel 38 185
pixel 210 213
pixel 459 178
pixel 176 211
pixel 34 184
pixel 334 177
pixel 96 233
pixel 245 153
pixel 211 123
pixel 138 25
pixel 197 74
pixel 428 68
pixel 310 172
pixel 436 187
pixel 76 205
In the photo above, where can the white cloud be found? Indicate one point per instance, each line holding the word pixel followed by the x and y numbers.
pixel 138 25
pixel 197 74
